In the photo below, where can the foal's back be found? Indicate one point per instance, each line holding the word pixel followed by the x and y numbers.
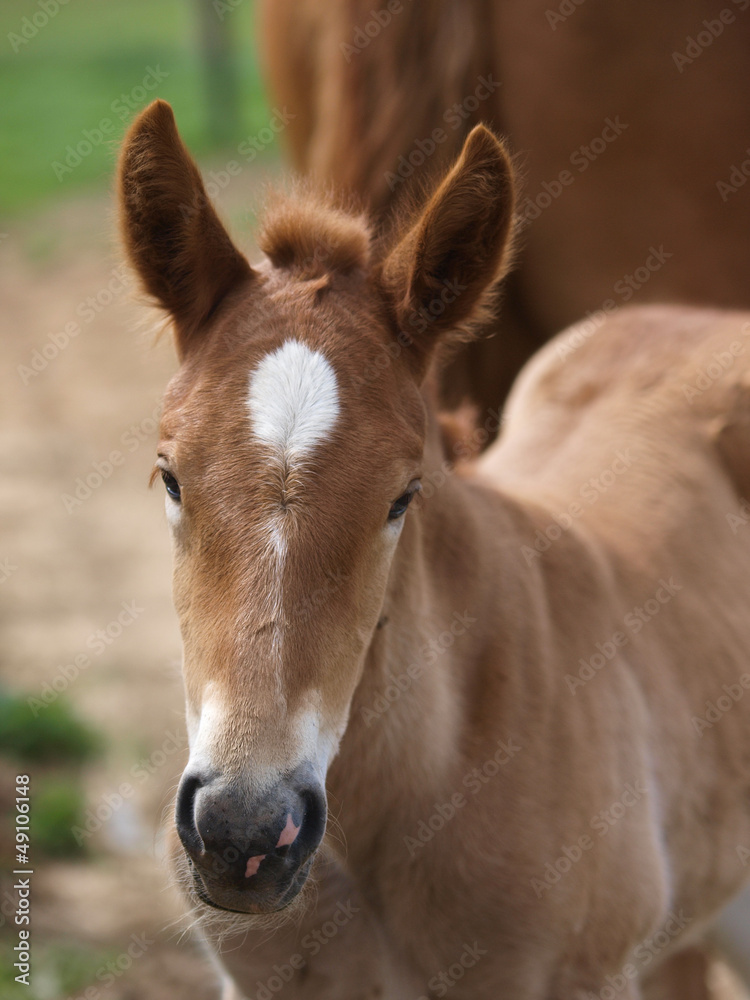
pixel 636 438
pixel 673 383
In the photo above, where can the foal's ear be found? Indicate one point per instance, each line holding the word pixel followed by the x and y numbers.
pixel 172 235
pixel 441 274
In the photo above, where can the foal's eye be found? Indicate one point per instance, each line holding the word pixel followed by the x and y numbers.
pixel 398 507
pixel 171 484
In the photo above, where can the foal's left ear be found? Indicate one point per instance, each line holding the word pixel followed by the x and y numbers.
pixel 441 274
pixel 172 235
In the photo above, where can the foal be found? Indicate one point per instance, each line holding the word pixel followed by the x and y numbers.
pixel 497 676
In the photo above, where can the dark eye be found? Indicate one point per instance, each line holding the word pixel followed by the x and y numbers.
pixel 398 507
pixel 171 484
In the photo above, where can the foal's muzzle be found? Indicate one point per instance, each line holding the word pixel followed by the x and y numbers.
pixel 247 854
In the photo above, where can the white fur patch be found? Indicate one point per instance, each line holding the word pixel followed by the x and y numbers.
pixel 293 400
pixel 173 511
pixel 308 740
pixel 204 729
pixel 317 741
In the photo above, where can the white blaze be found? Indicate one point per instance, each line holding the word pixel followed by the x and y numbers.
pixel 293 400
pixel 293 404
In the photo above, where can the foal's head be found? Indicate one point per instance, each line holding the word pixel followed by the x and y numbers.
pixel 291 446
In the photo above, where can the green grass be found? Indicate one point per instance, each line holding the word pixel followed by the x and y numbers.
pixel 52 745
pixel 58 807
pixel 53 735
pixel 57 970
pixel 72 75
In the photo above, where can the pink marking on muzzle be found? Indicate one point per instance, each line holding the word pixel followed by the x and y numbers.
pixel 253 864
pixel 288 836
pixel 289 833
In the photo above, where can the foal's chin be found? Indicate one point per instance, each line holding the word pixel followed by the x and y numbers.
pixel 220 905
pixel 251 902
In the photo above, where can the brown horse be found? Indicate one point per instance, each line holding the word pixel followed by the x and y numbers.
pixel 631 122
pixel 521 685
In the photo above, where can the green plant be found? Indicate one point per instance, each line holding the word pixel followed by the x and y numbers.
pixel 57 806
pixel 53 735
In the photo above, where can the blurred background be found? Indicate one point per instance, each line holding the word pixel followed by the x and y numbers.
pixel 90 693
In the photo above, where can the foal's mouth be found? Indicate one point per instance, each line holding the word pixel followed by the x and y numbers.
pixel 254 907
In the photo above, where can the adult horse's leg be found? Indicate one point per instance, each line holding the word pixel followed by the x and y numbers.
pixel 291 39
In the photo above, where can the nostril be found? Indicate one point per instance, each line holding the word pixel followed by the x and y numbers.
pixel 315 815
pixel 185 814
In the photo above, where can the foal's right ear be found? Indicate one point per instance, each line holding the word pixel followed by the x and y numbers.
pixel 442 274
pixel 172 235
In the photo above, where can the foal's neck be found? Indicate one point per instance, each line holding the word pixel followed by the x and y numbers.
pixel 441 672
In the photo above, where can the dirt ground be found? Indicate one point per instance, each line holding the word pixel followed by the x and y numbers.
pixel 82 539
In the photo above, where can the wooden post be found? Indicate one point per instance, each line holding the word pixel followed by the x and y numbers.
pixel 222 88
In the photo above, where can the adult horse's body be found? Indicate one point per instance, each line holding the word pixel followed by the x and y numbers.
pixel 631 123
pixel 526 698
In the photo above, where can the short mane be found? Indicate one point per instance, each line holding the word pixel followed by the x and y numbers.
pixel 310 234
